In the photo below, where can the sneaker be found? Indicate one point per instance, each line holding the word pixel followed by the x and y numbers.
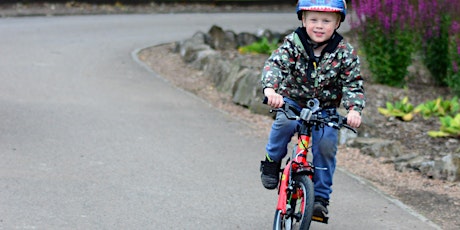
pixel 270 173
pixel 320 209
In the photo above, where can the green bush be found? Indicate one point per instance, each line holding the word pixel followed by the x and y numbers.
pixel 435 48
pixel 401 109
pixel 453 71
pixel 438 107
pixel 262 46
pixel 388 55
pixel 387 39
pixel 389 32
pixel 450 127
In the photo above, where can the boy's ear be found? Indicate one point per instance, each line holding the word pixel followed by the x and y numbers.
pixel 337 25
pixel 304 15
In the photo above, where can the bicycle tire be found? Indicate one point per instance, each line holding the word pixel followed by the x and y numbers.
pixel 278 222
pixel 303 207
pixel 304 183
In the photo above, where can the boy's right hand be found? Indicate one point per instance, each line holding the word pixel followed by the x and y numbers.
pixel 274 99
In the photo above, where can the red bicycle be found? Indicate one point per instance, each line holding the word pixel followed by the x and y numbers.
pixel 296 192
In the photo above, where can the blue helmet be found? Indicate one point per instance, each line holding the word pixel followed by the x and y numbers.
pixel 339 6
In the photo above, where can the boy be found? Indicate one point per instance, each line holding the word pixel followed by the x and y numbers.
pixel 313 62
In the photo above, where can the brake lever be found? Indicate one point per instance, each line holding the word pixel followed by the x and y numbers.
pixel 350 128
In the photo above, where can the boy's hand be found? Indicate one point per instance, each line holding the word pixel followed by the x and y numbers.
pixel 274 100
pixel 353 119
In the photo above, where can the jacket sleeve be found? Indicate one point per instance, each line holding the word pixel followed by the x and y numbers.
pixel 353 90
pixel 277 67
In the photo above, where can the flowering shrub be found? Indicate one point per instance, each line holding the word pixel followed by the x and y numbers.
pixel 453 72
pixel 395 29
pixel 386 32
pixel 436 18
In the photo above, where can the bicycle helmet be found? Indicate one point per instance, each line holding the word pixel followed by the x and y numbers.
pixel 339 6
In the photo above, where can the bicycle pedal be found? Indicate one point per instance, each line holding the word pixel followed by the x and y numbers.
pixel 320 219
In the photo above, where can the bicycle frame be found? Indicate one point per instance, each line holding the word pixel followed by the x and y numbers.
pixel 297 165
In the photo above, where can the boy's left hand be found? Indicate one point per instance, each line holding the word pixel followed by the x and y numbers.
pixel 354 119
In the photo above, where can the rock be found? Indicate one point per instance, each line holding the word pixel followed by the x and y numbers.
pixel 235 72
pixel 409 162
pixel 222 40
pixel 449 167
pixel 245 89
pixel 377 147
pixel 189 48
pixel 218 70
pixel 245 39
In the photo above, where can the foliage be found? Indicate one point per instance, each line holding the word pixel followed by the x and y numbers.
pixel 435 48
pixel 390 30
pixel 262 46
pixel 446 110
pixel 438 108
pixel 387 37
pixel 438 25
pixel 453 71
pixel 401 109
pixel 450 127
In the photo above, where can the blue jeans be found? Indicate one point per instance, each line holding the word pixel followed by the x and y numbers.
pixel 324 148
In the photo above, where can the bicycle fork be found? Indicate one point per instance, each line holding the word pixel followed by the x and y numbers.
pixel 283 189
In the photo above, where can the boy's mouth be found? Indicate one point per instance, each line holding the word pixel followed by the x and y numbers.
pixel 318 34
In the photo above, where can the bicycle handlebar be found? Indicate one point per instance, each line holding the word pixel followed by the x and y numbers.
pixel 311 115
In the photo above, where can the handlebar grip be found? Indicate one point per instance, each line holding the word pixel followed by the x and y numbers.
pixel 344 124
pixel 265 101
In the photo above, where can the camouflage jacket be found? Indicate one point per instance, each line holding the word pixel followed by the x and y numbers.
pixel 294 72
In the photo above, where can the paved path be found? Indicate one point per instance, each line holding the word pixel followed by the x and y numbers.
pixel 89 139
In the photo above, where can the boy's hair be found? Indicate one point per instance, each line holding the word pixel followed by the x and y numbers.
pixel 305 12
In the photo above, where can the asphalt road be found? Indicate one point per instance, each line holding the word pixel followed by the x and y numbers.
pixel 91 139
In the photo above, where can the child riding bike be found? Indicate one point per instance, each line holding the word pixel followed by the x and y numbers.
pixel 313 62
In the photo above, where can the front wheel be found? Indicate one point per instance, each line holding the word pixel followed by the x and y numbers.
pixel 278 223
pixel 300 201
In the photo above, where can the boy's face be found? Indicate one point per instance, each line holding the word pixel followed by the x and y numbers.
pixel 320 25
